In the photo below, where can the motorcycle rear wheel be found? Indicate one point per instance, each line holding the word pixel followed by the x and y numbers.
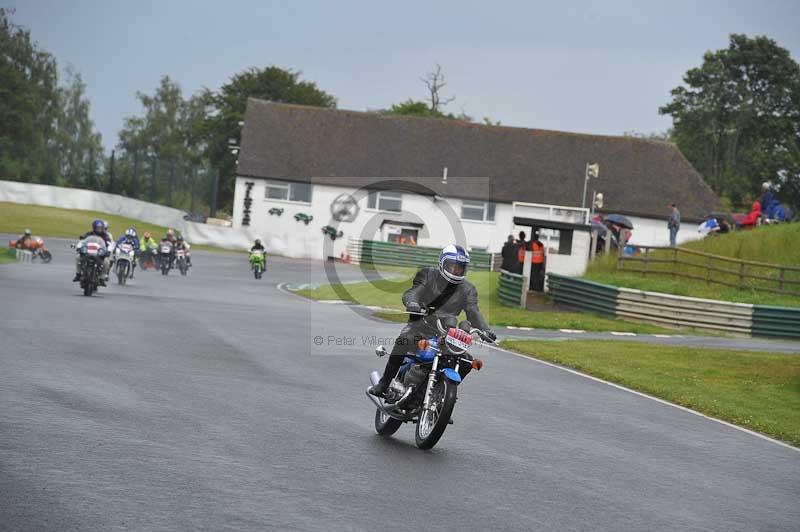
pixel 385 425
pixel 432 423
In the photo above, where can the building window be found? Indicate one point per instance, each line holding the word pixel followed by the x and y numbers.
pixel 284 191
pixel 482 211
pixel 385 201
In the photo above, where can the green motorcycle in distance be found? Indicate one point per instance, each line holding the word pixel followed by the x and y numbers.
pixel 258 263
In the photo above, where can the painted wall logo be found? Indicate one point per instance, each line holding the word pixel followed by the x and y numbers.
pixel 344 208
pixel 248 202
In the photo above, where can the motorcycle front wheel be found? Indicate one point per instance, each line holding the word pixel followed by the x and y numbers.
pixel 432 422
pixel 122 272
pixel 46 256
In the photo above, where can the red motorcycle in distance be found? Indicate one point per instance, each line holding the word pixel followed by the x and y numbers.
pixel 35 245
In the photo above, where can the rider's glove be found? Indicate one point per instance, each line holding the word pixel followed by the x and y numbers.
pixel 414 307
pixel 490 335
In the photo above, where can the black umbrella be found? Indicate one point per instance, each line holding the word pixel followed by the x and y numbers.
pixel 618 219
pixel 599 228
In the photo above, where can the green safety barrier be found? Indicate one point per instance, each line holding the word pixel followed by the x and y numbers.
pixel 776 321
pixel 583 295
pixel 374 252
pixel 509 288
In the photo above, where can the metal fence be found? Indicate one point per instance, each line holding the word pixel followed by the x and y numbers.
pixel 388 253
pixel 671 310
pixel 583 295
pixel 713 269
pixel 512 289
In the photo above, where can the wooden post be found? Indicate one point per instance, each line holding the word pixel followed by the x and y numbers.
pixel 646 256
pixel 708 271
pixel 780 284
pixel 675 262
pixel 741 275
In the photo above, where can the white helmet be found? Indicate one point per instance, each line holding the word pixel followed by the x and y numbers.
pixel 131 232
pixel 765 185
pixel 453 263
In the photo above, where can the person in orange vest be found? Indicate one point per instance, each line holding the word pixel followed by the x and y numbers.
pixel 537 263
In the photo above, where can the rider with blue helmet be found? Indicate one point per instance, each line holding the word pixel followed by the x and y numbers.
pixel 445 291
pixel 130 237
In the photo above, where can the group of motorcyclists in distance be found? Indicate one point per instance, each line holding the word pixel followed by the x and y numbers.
pixel 147 251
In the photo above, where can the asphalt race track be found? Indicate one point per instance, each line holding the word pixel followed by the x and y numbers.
pixel 203 403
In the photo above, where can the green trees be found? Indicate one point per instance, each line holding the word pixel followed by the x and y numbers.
pixel 227 107
pixel 28 105
pixel 78 151
pixel 46 134
pixel 738 118
pixel 161 152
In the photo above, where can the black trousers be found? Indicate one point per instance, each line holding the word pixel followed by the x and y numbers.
pixel 407 342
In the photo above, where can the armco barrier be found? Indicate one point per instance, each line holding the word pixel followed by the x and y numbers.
pixel 510 289
pixel 374 252
pixel 668 309
pixel 776 321
pixel 583 295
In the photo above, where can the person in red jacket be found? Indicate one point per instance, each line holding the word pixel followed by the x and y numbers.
pixel 753 216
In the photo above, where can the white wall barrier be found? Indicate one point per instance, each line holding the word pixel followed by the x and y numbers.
pixel 72 198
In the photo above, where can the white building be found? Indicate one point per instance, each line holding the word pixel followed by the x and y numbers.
pixel 303 171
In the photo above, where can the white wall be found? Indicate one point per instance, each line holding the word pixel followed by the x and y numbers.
pixel 284 235
pixel 653 232
pixel 70 198
pixel 574 264
pixel 89 200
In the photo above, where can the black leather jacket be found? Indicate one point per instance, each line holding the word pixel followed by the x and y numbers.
pixel 431 289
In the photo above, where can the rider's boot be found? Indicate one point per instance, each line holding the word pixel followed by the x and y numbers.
pixel 392 366
pixel 77 277
pixel 101 281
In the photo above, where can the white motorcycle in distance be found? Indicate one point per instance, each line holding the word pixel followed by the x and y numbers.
pixel 123 259
pixel 180 261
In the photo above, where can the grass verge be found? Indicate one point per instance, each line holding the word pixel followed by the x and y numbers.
pixel 387 294
pixel 7 255
pixel 69 223
pixel 758 391
pixel 771 244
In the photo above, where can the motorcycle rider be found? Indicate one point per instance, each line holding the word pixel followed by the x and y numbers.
pixel 147 246
pixel 130 237
pixel 445 291
pixel 180 243
pixel 258 246
pixel 26 236
pixel 99 230
pixel 147 242
pixel 170 237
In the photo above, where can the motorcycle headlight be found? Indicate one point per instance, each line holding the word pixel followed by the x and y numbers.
pixel 101 252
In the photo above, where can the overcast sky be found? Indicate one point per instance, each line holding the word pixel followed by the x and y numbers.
pixel 594 67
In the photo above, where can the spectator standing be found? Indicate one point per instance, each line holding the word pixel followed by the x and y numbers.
pixel 521 247
pixel 537 263
pixel 673 224
pixel 509 254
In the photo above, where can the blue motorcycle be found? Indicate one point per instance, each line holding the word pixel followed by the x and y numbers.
pixel 426 387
